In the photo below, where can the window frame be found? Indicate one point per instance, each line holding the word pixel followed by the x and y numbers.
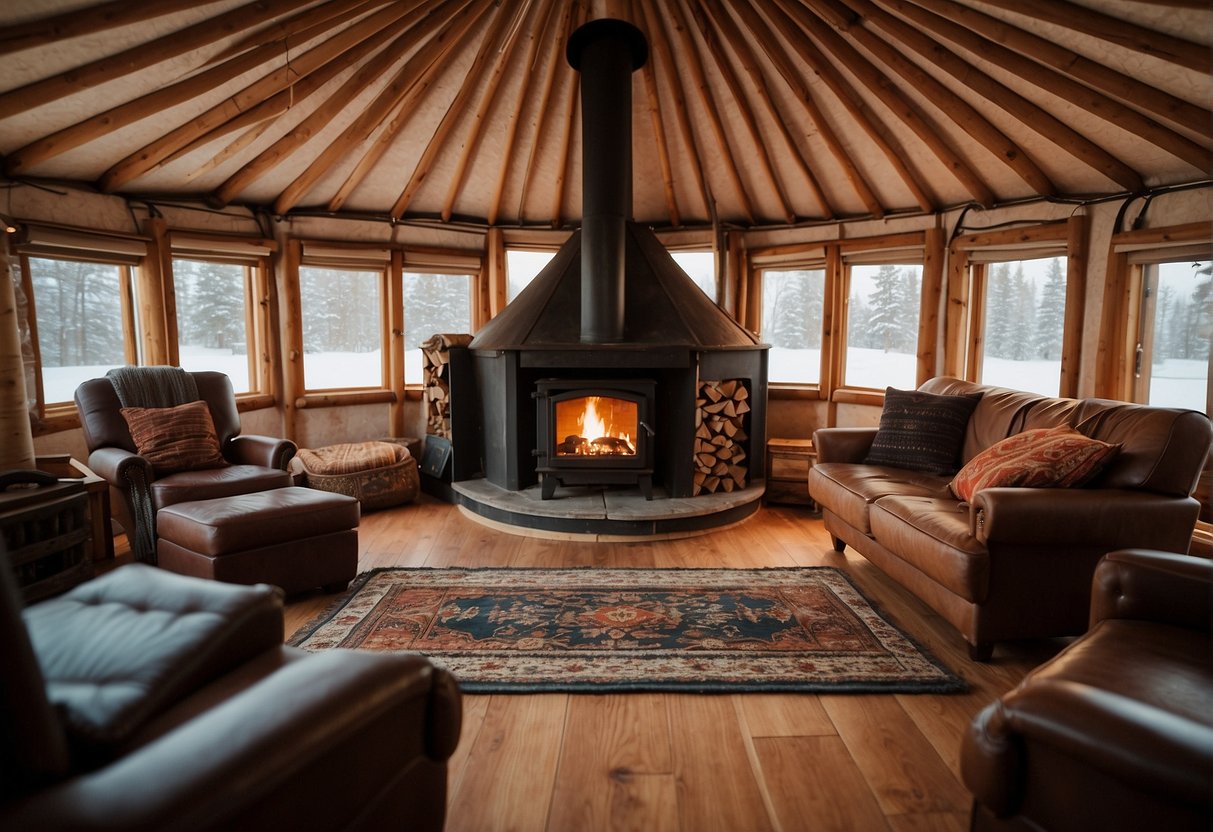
pixel 416 265
pixel 255 255
pixel 805 262
pixel 968 258
pixel 127 253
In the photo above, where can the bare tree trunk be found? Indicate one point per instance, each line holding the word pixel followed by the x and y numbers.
pixel 16 441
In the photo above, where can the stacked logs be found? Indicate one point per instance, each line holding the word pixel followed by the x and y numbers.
pixel 720 437
pixel 436 379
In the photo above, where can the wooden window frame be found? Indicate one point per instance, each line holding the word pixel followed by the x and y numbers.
pixel 475 292
pixel 967 287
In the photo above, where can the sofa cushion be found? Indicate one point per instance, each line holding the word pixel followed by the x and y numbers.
pixel 848 489
pixel 178 438
pixel 933 534
pixel 922 431
pixel 142 639
pixel 1040 458
pixel 185 486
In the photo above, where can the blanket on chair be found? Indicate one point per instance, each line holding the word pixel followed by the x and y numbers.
pixel 153 386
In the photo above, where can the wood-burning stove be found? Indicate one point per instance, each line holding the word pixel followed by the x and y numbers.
pixel 595 432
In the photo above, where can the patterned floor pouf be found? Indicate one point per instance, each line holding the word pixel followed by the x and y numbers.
pixel 378 474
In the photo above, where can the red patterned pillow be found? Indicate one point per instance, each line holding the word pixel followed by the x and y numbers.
pixel 181 438
pixel 1058 457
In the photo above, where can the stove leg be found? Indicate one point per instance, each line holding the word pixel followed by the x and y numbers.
pixel 548 489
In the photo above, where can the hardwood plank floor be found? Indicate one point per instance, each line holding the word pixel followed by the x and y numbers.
pixel 685 763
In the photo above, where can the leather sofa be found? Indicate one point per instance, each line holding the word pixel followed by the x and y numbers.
pixel 1115 732
pixel 257 463
pixel 146 700
pixel 1015 562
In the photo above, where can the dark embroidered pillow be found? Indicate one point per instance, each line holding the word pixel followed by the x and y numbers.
pixel 178 438
pixel 922 431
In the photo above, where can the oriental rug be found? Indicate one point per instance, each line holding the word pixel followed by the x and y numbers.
pixel 601 630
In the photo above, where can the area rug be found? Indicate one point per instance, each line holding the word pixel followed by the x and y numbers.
pixel 701 630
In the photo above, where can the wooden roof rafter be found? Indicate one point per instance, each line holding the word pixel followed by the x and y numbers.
pixel 80 22
pixel 267 97
pixel 1096 24
pixel 364 75
pixel 284 31
pixel 1076 93
pixel 493 43
pixel 960 111
pixel 661 53
pixel 569 21
pixel 816 23
pixel 1126 89
pixel 716 126
pixel 139 58
pixel 716 49
pixel 488 97
pixel 749 63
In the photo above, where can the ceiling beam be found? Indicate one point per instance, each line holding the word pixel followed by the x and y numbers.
pixel 488 97
pixel 1057 83
pixel 301 76
pixel 1123 87
pixel 693 63
pixel 900 105
pixel 716 49
pixel 749 63
pixel 965 116
pixel 1096 24
pixel 492 49
pixel 365 75
pixel 80 22
pixel 332 13
pixel 139 58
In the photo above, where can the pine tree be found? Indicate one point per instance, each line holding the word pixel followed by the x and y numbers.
pixel 788 309
pixel 1050 315
pixel 910 301
pixel 1023 311
pixel 998 321
pixel 886 323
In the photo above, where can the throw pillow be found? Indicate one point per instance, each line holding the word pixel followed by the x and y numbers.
pixel 181 438
pixel 1058 457
pixel 922 431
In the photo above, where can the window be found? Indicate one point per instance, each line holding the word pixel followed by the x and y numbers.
pixel 1175 330
pixel 80 290
pixel 1024 324
pixel 792 304
pixel 521 266
pixel 81 309
pixel 213 320
pixel 882 308
pixel 342 332
pixel 433 303
pixel 701 267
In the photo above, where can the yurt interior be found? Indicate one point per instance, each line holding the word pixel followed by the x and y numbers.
pixel 606 414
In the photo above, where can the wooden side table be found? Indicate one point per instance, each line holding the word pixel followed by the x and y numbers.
pixel 788 464
pixel 68 468
pixel 46 536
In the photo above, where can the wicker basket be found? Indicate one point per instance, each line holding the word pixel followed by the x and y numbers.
pixel 343 469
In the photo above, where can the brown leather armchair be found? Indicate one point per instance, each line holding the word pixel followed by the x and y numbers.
pixel 145 700
pixel 1116 731
pixel 258 463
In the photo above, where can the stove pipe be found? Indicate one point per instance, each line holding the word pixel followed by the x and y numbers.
pixel 606 52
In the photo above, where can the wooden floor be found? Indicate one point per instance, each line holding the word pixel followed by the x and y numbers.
pixel 694 763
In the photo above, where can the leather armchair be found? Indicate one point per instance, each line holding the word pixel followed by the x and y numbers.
pixel 258 463
pixel 145 700
pixel 1116 731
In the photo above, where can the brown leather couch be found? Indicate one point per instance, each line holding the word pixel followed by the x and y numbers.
pixel 258 463
pixel 145 700
pixel 1116 732
pixel 1016 562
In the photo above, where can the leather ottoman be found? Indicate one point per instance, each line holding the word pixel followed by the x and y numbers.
pixel 295 538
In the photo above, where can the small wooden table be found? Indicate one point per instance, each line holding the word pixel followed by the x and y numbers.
pixel 46 535
pixel 788 464
pixel 70 469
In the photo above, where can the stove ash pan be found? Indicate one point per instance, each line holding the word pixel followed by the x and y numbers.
pixel 595 432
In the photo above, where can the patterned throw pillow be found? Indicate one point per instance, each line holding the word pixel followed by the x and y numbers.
pixel 1058 457
pixel 922 431
pixel 178 438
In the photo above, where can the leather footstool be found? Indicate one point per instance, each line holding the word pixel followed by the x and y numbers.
pixel 295 538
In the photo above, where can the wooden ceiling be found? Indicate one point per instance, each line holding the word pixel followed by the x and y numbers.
pixel 751 112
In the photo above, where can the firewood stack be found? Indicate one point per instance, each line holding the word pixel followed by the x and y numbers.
pixel 436 378
pixel 720 436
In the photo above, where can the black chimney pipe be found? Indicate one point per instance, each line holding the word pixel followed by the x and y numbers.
pixel 606 52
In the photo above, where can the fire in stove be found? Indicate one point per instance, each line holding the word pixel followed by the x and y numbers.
pixel 596 426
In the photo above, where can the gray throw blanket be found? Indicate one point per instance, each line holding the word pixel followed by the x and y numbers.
pixel 153 386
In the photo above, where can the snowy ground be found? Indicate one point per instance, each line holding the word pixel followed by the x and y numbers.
pixel 1175 383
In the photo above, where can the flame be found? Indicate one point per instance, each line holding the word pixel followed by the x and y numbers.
pixel 596 435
